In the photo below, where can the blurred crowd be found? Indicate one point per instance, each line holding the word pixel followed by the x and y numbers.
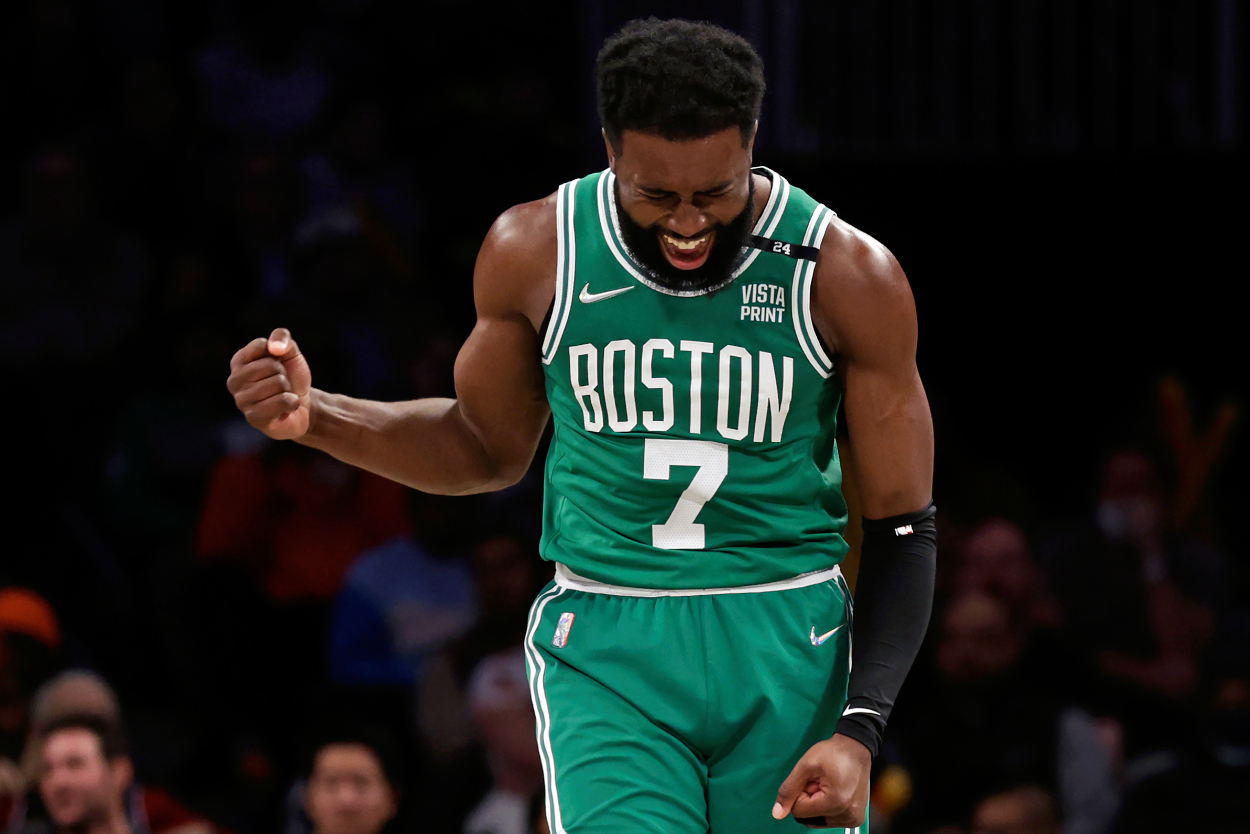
pixel 203 632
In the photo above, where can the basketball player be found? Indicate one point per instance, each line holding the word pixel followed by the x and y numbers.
pixel 691 324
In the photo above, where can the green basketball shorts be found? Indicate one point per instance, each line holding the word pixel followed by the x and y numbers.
pixel 681 712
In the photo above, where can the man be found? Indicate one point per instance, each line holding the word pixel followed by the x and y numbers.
pixel 85 775
pixel 691 323
pixel 350 790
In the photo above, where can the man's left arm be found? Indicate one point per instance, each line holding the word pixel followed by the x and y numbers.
pixel 864 311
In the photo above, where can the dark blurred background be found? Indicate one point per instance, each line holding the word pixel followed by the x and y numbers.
pixel 1061 181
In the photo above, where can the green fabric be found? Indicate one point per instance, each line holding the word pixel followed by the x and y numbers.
pixel 683 714
pixel 651 485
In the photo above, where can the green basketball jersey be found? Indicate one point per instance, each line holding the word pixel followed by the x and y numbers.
pixel 694 432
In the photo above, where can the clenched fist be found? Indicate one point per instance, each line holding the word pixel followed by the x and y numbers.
pixel 828 788
pixel 272 385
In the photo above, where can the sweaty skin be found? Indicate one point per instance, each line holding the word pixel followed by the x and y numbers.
pixel 485 438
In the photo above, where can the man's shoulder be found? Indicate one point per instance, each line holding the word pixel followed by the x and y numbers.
pixel 860 294
pixel 849 254
pixel 527 227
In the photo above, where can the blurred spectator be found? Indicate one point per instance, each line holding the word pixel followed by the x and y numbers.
pixel 358 169
pixel 1139 601
pixel 476 690
pixel 295 519
pixel 253 251
pixel 279 529
pixel 84 777
pixel 1028 809
pixel 1200 783
pixel 402 601
pixel 166 440
pixel 81 694
pixel 352 785
pixel 264 85
pixel 71 282
pixel 987 714
pixel 995 559
pixel 30 639
pixel 499 700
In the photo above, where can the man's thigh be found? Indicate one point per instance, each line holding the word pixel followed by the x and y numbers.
pixel 778 671
pixel 608 710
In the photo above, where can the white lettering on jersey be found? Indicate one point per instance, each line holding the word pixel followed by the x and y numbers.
pixel 585 393
pixel 696 351
pixel 620 396
pixel 769 403
pixel 727 354
pixel 626 348
pixel 649 422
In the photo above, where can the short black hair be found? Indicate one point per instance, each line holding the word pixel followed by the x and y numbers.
pixel 678 79
pixel 347 731
pixel 112 739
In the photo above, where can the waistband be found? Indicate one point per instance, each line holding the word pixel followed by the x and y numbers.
pixel 565 578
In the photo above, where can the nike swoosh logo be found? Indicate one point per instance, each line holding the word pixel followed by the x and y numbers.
pixel 588 297
pixel 816 641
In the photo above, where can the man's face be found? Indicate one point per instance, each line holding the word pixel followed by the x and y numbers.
pixel 685 204
pixel 348 792
pixel 78 784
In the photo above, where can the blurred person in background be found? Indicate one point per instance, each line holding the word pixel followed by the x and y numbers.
pixel 30 644
pixel 1140 602
pixel 353 785
pixel 400 604
pixel 995 558
pixel 1201 782
pixel 80 693
pixel 986 688
pixel 498 693
pixel 1027 809
pixel 85 774
pixel 476 726
pixel 499 701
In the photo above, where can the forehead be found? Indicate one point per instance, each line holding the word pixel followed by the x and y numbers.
pixel 72 742
pixel 686 165
pixel 355 758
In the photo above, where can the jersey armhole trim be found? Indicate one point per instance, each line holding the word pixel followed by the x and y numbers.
pixel 801 295
pixel 566 268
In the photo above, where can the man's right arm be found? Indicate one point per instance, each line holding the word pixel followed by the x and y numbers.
pixel 482 440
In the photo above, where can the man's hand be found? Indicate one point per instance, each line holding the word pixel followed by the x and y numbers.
pixel 828 788
pixel 272 385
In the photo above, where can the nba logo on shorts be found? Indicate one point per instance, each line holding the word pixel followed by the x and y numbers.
pixel 562 630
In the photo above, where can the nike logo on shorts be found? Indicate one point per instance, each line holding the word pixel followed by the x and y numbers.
pixel 816 641
pixel 588 297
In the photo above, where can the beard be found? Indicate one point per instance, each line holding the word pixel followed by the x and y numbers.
pixel 728 251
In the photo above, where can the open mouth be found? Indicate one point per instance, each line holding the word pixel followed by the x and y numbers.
pixel 687 253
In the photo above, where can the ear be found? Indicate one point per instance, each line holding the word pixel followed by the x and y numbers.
pixel 755 129
pixel 123 772
pixel 611 152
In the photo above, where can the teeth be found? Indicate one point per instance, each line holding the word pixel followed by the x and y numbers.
pixel 685 245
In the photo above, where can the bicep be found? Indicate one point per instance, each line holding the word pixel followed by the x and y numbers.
pixel 500 391
pixel 891 438
pixel 867 311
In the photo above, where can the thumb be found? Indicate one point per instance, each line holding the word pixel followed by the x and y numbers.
pixel 791 790
pixel 280 343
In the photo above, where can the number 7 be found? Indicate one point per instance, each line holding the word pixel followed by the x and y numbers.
pixel 658 456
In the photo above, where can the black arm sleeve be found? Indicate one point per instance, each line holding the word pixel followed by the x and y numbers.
pixel 893 601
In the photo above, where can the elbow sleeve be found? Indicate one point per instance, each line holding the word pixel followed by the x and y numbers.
pixel 893 602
